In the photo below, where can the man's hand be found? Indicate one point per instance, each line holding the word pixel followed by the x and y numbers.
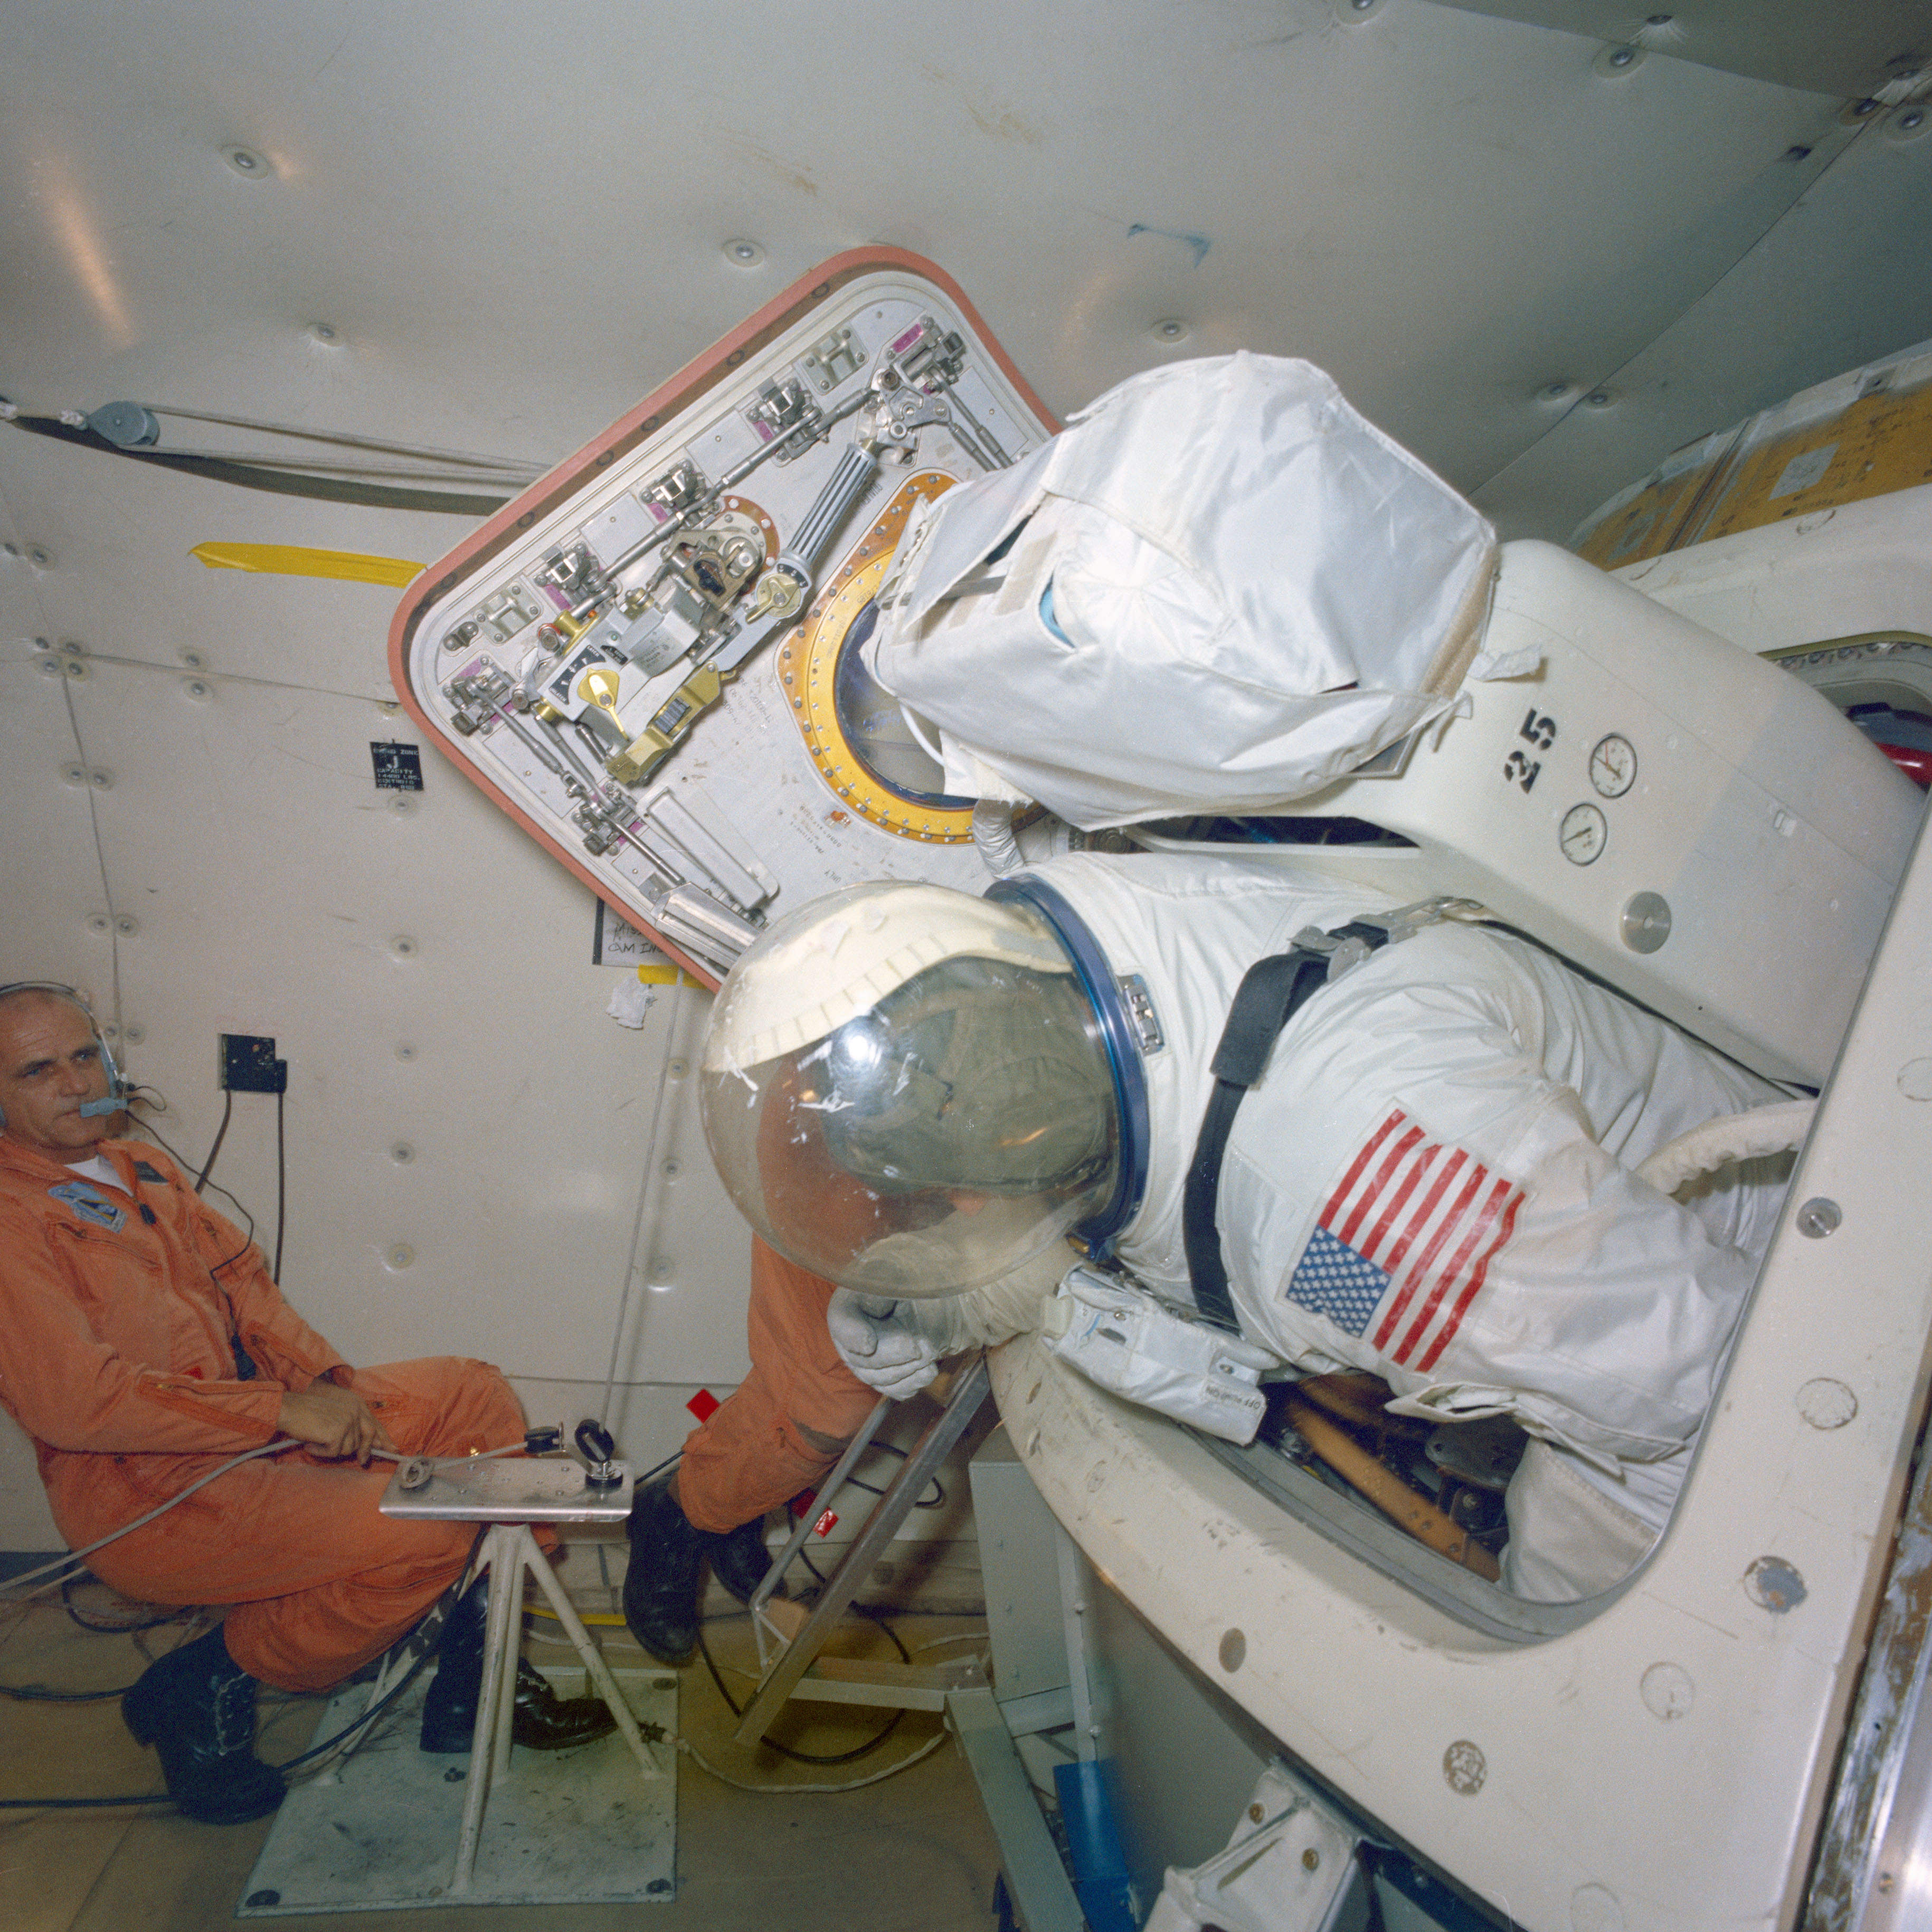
pixel 335 1422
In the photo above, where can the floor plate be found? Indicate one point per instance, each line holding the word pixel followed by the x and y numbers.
pixel 578 1827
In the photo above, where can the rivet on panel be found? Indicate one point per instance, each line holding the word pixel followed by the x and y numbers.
pixel 1595 1908
pixel 40 556
pixel 97 922
pixel 742 253
pixel 50 668
pixel 74 668
pixel 662 1268
pixel 403 804
pixel 195 660
pixel 74 775
pixel 673 1169
pixel 1907 124
pixel 127 925
pixel 1825 1402
pixel 387 707
pixel 403 946
pixel 136 1034
pixel 10 550
pixel 1600 399
pixel 405 1051
pixel 101 779
pixel 197 689
pixel 1668 1692
pixel 1555 392
pixel 1353 12
pixel 677 1069
pixel 1464 1768
pixel 1775 1584
pixel 1171 331
pixel 402 1153
pixel 246 162
pixel 400 1256
pixel 1234 1651
pixel 1819 1217
pixel 1614 63
pixel 326 333
pixel 43 644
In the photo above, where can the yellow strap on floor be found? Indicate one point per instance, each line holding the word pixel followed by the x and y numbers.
pixel 294 560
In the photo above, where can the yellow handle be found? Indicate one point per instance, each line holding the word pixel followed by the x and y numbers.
pixel 294 560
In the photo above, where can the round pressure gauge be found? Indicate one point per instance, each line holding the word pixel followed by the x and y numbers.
pixel 1613 765
pixel 1583 834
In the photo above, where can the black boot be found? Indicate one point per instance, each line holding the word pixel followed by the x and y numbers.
pixel 661 1580
pixel 739 1558
pixel 541 1721
pixel 196 1707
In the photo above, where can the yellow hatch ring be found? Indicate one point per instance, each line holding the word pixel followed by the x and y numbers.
pixel 807 668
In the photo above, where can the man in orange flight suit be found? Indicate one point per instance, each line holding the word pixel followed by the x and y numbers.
pixel 143 1342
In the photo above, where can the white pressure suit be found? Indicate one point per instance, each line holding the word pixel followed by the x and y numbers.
pixel 1433 1181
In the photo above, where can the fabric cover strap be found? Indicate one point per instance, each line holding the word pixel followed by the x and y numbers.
pixel 1272 992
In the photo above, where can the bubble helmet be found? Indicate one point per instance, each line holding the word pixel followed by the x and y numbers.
pixel 905 1089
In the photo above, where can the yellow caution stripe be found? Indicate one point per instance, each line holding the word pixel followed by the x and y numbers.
pixel 294 560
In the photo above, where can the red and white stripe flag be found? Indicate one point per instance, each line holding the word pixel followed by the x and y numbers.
pixel 1410 1230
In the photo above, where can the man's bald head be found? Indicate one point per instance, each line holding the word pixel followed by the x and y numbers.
pixel 51 1065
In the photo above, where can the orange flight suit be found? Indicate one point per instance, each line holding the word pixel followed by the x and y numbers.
pixel 142 1343
pixel 783 1428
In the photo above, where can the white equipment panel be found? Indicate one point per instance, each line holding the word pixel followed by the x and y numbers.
pixel 643 658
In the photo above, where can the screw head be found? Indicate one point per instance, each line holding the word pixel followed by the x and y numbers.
pixel 1601 399
pixel 326 333
pixel 40 556
pixel 1819 1217
pixel 743 253
pixel 1554 392
pixel 136 1034
pixel 246 162
pixel 402 1153
pixel 1622 56
pixel 195 687
pixel 399 1255
pixel 403 946
pixel 127 925
pixel 97 922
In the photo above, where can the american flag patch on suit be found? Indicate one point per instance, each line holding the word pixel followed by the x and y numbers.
pixel 1405 1241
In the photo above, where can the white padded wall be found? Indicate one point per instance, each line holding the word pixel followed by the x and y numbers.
pixel 493 228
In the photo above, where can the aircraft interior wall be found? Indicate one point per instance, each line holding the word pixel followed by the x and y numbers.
pixel 492 229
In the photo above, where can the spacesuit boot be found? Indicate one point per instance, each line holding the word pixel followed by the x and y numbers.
pixel 541 1721
pixel 196 1707
pixel 661 1582
pixel 738 1558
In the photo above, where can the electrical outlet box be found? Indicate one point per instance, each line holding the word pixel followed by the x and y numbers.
pixel 246 1064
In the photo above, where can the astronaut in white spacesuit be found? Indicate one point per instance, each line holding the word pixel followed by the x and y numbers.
pixel 920 1095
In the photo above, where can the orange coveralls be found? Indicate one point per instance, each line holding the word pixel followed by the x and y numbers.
pixel 783 1428
pixel 119 1355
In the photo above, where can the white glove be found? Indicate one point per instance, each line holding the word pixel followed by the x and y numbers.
pixel 885 1343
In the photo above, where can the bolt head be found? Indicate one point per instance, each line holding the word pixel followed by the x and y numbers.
pixel 246 162
pixel 743 253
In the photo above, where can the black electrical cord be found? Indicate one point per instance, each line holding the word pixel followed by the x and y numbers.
pixel 936 1501
pixel 327 1744
pixel 220 1135
pixel 281 1182
pixel 277 482
pixel 114 1629
pixel 148 1127
pixel 851 1756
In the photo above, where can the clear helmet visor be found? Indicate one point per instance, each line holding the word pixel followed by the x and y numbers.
pixel 905 1091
